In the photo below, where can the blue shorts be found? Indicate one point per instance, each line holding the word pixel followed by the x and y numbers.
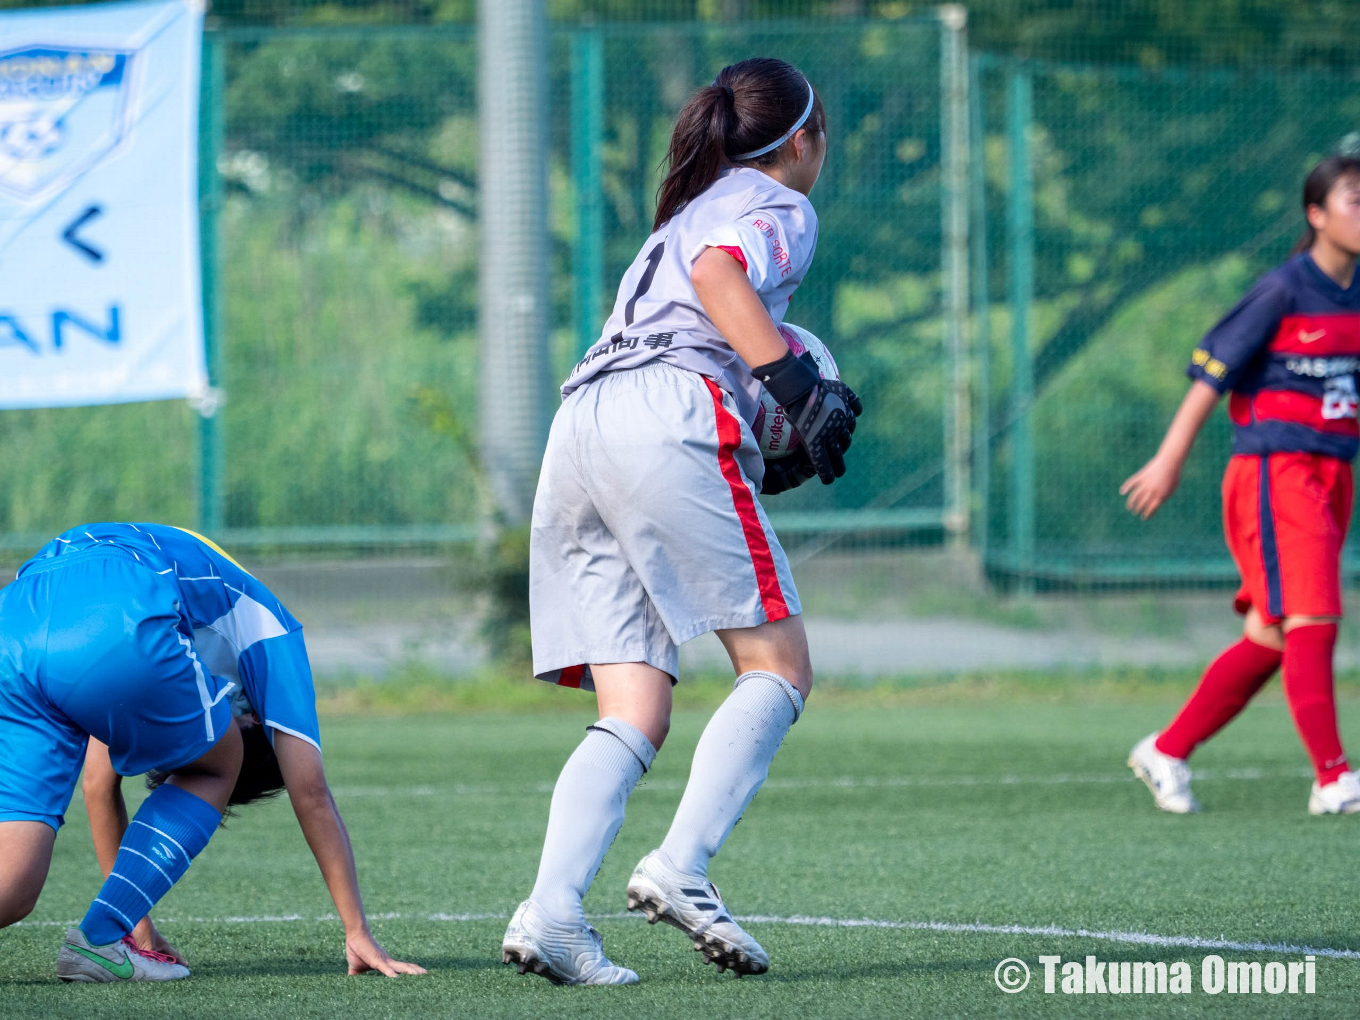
pixel 93 644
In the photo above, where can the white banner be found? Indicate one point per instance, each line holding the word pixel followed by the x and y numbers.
pixel 100 289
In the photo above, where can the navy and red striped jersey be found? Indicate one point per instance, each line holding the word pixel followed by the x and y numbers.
pixel 1288 352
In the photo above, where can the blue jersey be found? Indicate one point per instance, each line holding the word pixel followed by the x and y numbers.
pixel 240 630
pixel 1289 352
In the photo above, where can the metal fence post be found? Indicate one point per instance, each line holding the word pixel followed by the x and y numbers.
pixel 982 311
pixel 587 141
pixel 954 164
pixel 512 201
pixel 1020 228
pixel 210 445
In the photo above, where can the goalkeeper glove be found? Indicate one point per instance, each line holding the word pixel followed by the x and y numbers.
pixel 822 411
pixel 787 473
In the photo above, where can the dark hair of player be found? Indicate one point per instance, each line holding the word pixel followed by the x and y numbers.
pixel 260 776
pixel 749 105
pixel 1318 185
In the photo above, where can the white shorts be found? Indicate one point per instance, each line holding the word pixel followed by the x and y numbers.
pixel 647 529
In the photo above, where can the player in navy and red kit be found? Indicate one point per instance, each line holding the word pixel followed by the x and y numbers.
pixel 1287 355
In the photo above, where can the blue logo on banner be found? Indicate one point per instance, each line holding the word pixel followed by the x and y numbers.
pixel 61 112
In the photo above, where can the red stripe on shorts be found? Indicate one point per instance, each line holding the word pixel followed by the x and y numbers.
pixel 767 578
pixel 571 676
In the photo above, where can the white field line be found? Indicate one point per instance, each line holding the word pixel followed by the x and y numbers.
pixel 822 782
pixel 1141 938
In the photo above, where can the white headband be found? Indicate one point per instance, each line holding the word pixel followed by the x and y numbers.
pixel 786 135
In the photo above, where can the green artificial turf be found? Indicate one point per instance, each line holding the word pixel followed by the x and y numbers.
pixel 1012 812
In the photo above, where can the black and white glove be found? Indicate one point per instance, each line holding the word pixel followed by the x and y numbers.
pixel 787 473
pixel 822 411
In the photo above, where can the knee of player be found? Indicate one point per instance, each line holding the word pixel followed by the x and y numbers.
pixel 1292 623
pixel 798 676
pixel 657 731
pixel 797 667
pixel 19 905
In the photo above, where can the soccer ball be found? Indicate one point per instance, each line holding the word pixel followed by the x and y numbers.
pixel 773 431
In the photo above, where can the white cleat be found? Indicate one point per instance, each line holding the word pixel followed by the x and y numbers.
pixel 694 905
pixel 118 961
pixel 1168 778
pixel 564 954
pixel 1341 797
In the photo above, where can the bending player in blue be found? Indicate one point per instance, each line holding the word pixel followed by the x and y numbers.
pixel 153 649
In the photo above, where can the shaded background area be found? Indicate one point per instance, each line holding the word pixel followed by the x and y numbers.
pixel 1133 166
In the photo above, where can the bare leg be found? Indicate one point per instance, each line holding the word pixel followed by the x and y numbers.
pixel 25 854
pixel 213 776
pixel 774 675
pixel 638 694
pixel 1292 622
pixel 731 762
pixel 1268 635
pixel 171 828
pixel 780 647
pixel 593 788
pixel 1229 682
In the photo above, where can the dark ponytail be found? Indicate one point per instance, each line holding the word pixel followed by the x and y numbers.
pixel 749 105
pixel 1318 185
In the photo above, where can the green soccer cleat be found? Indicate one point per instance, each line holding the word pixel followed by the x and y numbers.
pixel 118 961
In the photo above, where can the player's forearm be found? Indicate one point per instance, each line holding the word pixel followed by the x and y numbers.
pixel 733 305
pixel 324 830
pixel 328 839
pixel 1189 419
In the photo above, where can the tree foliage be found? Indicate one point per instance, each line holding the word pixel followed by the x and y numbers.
pixel 1148 33
pixel 350 139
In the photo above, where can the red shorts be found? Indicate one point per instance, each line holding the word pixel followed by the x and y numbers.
pixel 1286 516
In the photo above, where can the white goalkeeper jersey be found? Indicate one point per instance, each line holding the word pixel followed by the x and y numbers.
pixel 770 229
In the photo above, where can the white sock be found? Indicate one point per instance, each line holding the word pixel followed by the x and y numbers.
pixel 731 762
pixel 586 813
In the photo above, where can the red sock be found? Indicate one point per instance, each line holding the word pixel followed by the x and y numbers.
pixel 1312 700
pixel 1228 684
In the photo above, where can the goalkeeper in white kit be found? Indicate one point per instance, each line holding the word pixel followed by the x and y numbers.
pixel 647 526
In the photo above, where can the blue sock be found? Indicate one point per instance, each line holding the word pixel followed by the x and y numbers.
pixel 170 829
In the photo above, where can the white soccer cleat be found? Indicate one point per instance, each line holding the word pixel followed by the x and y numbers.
pixel 1341 797
pixel 118 961
pixel 694 905
pixel 564 954
pixel 1168 778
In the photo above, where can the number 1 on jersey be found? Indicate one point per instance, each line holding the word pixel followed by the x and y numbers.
pixel 653 260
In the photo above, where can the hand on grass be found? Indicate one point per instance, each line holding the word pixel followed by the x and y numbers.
pixel 147 937
pixel 1151 486
pixel 364 954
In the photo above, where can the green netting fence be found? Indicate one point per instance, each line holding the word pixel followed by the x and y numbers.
pixel 1114 212
pixel 1120 213
pixel 341 244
